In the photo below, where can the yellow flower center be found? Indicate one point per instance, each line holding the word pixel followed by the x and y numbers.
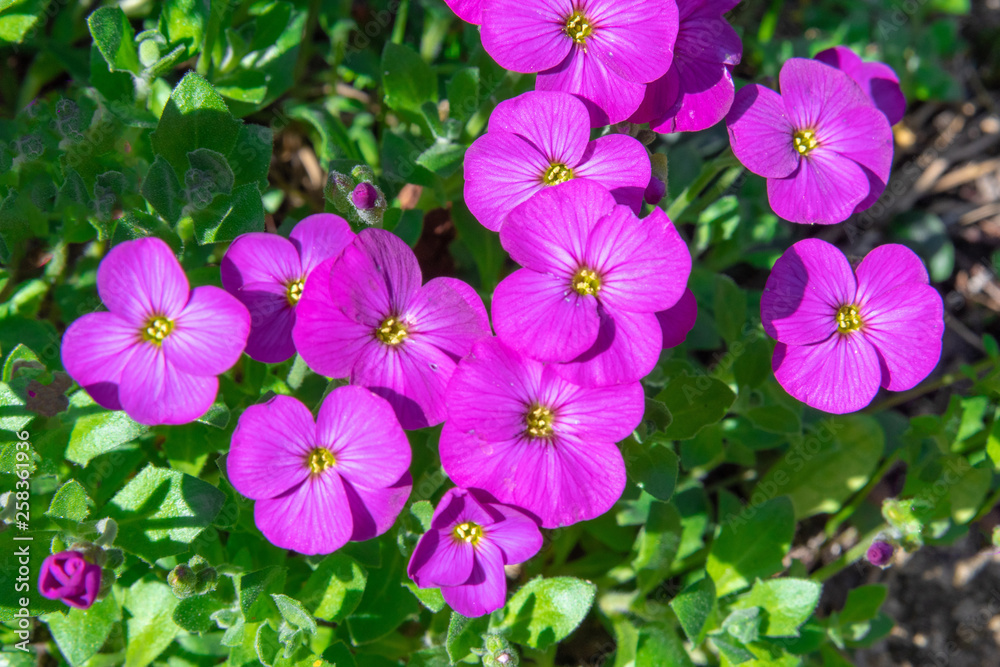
pixel 805 141
pixel 157 329
pixel 586 282
pixel 392 331
pixel 468 532
pixel 557 173
pixel 294 291
pixel 539 420
pixel 320 459
pixel 848 319
pixel 578 28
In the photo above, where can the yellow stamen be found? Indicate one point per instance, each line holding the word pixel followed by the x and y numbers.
pixel 539 420
pixel 578 28
pixel 586 282
pixel 392 331
pixel 320 459
pixel 557 173
pixel 848 319
pixel 805 141
pixel 468 532
pixel 156 329
pixel 294 291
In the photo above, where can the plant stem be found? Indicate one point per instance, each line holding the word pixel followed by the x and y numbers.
pixel 927 387
pixel 709 171
pixel 847 510
pixel 852 555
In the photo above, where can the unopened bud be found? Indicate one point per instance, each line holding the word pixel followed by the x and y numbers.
pixel 655 191
pixel 107 529
pixel 206 580
pixel 365 196
pixel 183 581
pixel 658 164
pixel 879 553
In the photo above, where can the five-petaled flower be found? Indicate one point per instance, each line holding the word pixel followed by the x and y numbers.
pixel 157 353
pixel 523 434
pixel 319 484
pixel 824 149
pixel 470 540
pixel 538 140
pixel 267 273
pixel 841 333
pixel 877 80
pixel 365 316
pixel 70 577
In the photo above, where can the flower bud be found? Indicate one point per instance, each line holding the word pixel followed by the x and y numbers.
pixel 207 579
pixel 69 577
pixel 879 553
pixel 655 191
pixel 183 581
pixel 365 196
pixel 115 558
pixel 108 531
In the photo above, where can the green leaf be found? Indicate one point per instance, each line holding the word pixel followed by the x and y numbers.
pixel 463 93
pixel 385 603
pixel 339 655
pixel 465 634
pixel 483 244
pixel 744 624
pixel 249 86
pixel 294 613
pixel 70 503
pixel 228 216
pixel 335 587
pixel 429 597
pixel 730 308
pixel 115 38
pixel 215 170
pixel 787 604
pixel 162 190
pixel 408 81
pixel 81 633
pixel 99 433
pixel 194 614
pixel 253 591
pixel 151 628
pixel 863 603
pixel 251 158
pixel 160 512
pixel 731 649
pixel 185 21
pixel 827 464
pixel 656 545
pixel 968 494
pixel 545 611
pixel 652 466
pixel 694 403
pixel 751 544
pixel 18 18
pixel 774 419
pixel 658 647
pixel 694 606
pixel 753 366
pixel 15 415
pixel 195 117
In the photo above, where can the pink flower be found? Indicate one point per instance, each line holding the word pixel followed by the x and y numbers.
pixel 70 577
pixel 603 51
pixel 877 80
pixel 157 353
pixel 470 11
pixel 841 333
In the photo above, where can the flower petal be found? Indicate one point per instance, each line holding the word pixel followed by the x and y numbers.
pixel 154 391
pixel 486 590
pixel 448 314
pixel 818 96
pixel 705 97
pixel 440 560
pixel 609 98
pixel 458 505
pixel 554 124
pixel 807 285
pixel 525 37
pixel 375 510
pixel 517 535
pixel 501 171
pixel 470 11
pixel 312 518
pixel 626 350
pixel 761 133
pixel 864 136
pixel 838 375
pixel 905 325
pixel 209 334
pixel 272 320
pixel 619 163
pixel 878 81
pixel 634 39
pixel 543 317
pixel 678 320
pixel 824 190
pixel 142 278
pixel 319 237
pixel 592 414
pixel 95 350
pixel 361 430
pixel 886 267
pixel 660 97
pixel 259 258
pixel 270 448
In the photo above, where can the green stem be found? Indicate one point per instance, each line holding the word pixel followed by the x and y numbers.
pixel 709 171
pixel 927 387
pixel 852 555
pixel 399 27
pixel 837 519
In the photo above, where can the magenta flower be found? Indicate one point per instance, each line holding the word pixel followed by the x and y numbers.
pixel 537 140
pixel 157 353
pixel 366 317
pixel 470 11
pixel 531 439
pixel 879 553
pixel 823 148
pixel 319 484
pixel 677 321
pixel 697 90
pixel 594 277
pixel 841 333
pixel 877 80
pixel 603 51
pixel 470 540
pixel 70 577
pixel 267 272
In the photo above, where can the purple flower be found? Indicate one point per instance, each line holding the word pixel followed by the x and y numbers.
pixel 842 333
pixel 824 149
pixel 678 320
pixel 877 80
pixel 157 353
pixel 470 540
pixel 366 317
pixel 364 196
pixel 531 439
pixel 594 277
pixel 604 51
pixel 697 90
pixel 879 553
pixel 267 272
pixel 470 11
pixel 319 484
pixel 541 139
pixel 70 577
